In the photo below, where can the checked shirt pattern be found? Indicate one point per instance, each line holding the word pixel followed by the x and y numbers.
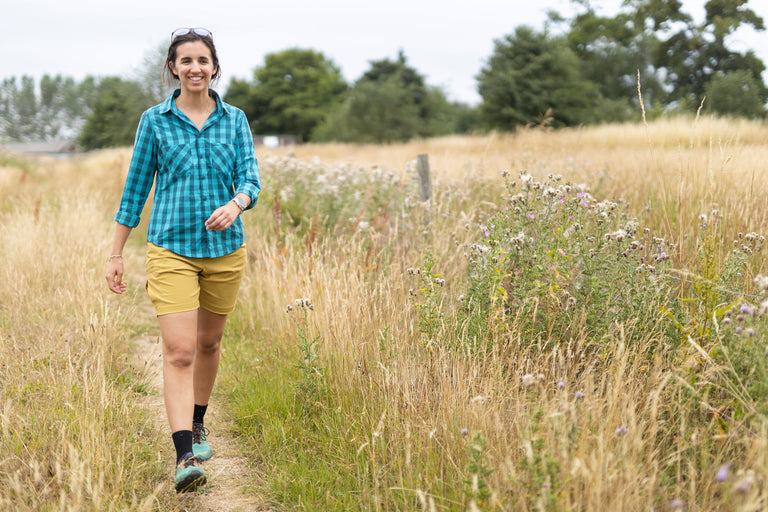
pixel 195 172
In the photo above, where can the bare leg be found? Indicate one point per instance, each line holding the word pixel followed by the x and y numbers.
pixel 179 332
pixel 210 327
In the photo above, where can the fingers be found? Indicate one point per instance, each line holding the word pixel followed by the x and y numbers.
pixel 114 278
pixel 222 218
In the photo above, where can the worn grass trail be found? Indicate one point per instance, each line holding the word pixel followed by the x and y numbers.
pixel 229 473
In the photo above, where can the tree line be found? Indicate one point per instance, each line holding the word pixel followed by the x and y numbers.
pixel 575 70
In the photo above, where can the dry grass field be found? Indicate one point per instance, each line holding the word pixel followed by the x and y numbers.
pixel 489 350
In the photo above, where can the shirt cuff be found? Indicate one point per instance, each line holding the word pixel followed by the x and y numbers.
pixel 251 191
pixel 127 219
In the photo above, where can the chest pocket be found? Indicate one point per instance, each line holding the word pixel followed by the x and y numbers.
pixel 178 161
pixel 223 158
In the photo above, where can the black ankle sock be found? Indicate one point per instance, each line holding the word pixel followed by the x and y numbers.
pixel 199 414
pixel 182 440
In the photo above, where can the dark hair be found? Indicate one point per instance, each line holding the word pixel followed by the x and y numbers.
pixel 168 75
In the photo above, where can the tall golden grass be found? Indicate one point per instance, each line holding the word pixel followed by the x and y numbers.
pixel 75 437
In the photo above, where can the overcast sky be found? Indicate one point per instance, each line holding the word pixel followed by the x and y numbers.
pixel 447 41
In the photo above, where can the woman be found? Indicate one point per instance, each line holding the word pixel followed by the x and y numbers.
pixel 200 152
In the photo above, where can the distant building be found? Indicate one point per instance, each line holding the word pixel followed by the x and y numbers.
pixel 274 141
pixel 53 148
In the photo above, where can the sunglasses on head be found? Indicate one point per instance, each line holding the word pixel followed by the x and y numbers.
pixel 202 32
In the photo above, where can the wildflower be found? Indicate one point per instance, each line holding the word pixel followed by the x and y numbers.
pixel 561 385
pixel 461 297
pixel 750 332
pixel 464 431
pixel 529 380
pixel 531 216
pixel 722 473
pixel 738 329
pixel 677 504
pixel 303 303
pixel 487 233
pixel 744 484
pixel 290 308
pixel 579 395
pixel 621 430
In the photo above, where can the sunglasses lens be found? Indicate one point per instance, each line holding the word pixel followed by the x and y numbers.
pixel 202 32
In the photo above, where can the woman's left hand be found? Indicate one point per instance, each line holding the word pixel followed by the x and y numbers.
pixel 222 217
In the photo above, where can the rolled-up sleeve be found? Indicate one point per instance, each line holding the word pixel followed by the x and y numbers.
pixel 141 175
pixel 247 169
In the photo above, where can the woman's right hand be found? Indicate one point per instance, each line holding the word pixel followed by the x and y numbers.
pixel 115 275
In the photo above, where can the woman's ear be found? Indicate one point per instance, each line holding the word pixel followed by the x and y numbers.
pixel 173 71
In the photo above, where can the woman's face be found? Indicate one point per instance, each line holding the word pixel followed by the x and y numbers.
pixel 194 66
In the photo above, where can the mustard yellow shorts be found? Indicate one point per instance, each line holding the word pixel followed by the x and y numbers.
pixel 176 283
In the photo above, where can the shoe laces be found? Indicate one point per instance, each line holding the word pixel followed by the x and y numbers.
pixel 199 433
pixel 189 461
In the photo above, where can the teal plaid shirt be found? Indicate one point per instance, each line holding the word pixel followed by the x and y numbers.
pixel 196 171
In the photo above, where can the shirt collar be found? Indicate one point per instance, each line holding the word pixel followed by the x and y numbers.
pixel 169 104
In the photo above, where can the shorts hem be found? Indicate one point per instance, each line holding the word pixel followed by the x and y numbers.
pixel 174 309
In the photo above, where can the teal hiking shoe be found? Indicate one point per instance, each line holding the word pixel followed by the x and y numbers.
pixel 189 476
pixel 200 446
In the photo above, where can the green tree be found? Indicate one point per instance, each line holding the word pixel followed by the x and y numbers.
pixel 531 76
pixel 612 51
pixel 374 112
pixel 19 109
pixel 736 93
pixel 693 54
pixel 291 94
pixel 53 109
pixel 391 102
pixel 117 107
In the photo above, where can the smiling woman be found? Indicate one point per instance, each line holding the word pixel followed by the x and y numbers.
pixel 199 152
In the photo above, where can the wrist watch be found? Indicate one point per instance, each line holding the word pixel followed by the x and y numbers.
pixel 240 202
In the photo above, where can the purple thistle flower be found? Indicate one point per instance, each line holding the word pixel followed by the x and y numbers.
pixel 464 431
pixel 578 395
pixel 722 473
pixel 561 385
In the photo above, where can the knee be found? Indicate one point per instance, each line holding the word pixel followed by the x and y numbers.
pixel 208 344
pixel 180 357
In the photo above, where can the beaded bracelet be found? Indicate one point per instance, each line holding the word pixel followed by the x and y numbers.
pixel 115 256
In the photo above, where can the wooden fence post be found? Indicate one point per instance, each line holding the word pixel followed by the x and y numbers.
pixel 425 184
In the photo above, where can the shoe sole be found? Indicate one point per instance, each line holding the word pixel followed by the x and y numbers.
pixel 191 483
